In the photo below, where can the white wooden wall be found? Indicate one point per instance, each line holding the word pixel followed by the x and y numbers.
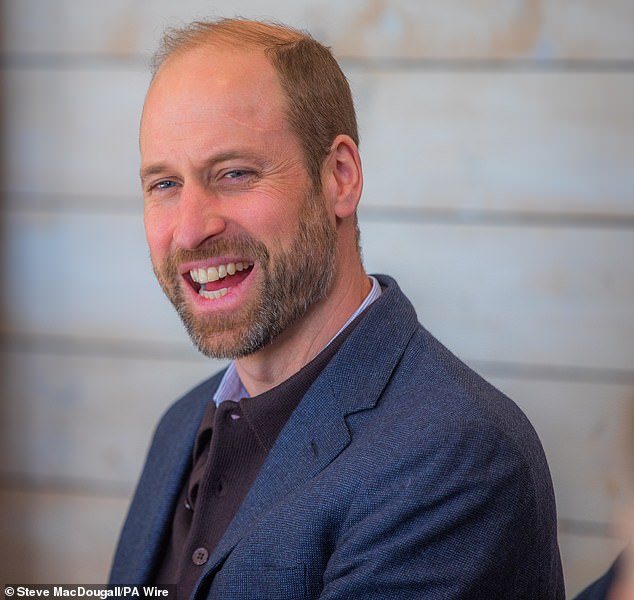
pixel 498 146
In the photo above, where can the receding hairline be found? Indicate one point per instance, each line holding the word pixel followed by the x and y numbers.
pixel 225 33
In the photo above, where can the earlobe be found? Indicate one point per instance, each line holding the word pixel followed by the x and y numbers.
pixel 344 176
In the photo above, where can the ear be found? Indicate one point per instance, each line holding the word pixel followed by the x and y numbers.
pixel 342 176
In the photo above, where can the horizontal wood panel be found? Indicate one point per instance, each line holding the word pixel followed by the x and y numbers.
pixel 73 132
pixel 547 142
pixel 91 277
pixel 57 538
pixel 533 142
pixel 482 29
pixel 87 421
pixel 542 296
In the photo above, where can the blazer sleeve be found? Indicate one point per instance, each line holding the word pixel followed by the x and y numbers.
pixel 456 516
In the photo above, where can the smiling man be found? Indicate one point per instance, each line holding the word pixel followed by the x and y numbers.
pixel 344 453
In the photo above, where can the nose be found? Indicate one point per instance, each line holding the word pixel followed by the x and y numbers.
pixel 198 218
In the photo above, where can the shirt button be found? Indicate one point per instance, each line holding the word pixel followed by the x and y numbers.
pixel 218 487
pixel 232 416
pixel 200 556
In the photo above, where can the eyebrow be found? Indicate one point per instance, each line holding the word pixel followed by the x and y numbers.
pixel 158 168
pixel 152 170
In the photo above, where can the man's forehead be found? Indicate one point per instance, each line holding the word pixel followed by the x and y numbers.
pixel 221 68
pixel 212 81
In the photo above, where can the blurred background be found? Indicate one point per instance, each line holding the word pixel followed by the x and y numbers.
pixel 498 147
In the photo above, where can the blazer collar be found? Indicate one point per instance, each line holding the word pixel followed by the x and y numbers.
pixel 316 432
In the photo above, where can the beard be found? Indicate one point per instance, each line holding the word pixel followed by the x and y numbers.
pixel 290 282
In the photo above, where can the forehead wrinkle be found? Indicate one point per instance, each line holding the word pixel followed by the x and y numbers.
pixel 197 132
pixel 260 117
pixel 237 121
pixel 256 127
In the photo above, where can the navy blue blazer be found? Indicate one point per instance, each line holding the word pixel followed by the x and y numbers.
pixel 401 474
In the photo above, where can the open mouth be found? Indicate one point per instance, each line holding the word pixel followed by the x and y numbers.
pixel 215 282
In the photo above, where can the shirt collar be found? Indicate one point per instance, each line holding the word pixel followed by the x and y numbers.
pixel 231 387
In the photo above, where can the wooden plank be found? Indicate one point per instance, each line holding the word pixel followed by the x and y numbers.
pixel 528 142
pixel 481 29
pixel 86 419
pixel 542 296
pixel 92 278
pixel 57 538
pixel 74 133
pixel 544 142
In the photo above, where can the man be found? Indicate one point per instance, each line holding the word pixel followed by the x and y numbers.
pixel 345 453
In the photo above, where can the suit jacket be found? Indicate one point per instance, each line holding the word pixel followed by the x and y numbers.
pixel 401 474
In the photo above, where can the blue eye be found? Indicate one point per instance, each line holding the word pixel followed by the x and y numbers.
pixel 236 173
pixel 164 185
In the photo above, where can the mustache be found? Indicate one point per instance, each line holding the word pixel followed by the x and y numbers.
pixel 241 246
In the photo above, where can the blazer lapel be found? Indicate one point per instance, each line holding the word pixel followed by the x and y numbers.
pixel 316 432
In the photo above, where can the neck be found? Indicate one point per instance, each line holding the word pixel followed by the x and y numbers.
pixel 299 344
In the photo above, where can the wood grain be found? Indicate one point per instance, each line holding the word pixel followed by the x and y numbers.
pixel 454 29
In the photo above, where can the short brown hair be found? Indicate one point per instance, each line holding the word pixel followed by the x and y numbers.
pixel 319 101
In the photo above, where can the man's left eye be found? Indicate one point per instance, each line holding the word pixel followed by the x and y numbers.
pixel 237 173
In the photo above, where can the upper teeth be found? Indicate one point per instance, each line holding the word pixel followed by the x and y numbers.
pixel 214 273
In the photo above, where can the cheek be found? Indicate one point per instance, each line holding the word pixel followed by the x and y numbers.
pixel 266 218
pixel 158 233
pixel 279 234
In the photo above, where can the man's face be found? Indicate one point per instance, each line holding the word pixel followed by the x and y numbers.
pixel 240 241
